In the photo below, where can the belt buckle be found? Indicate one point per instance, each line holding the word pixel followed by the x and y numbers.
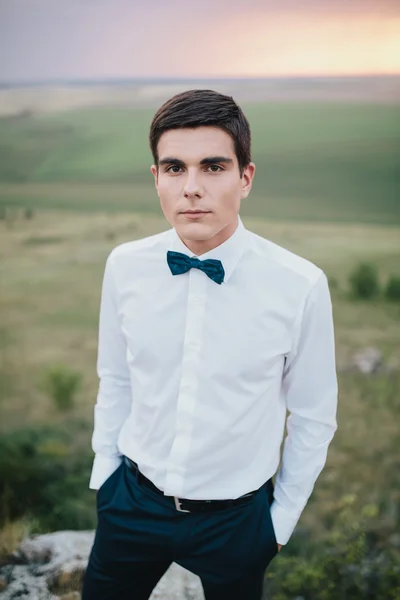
pixel 178 505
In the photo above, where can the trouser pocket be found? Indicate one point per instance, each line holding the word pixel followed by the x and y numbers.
pixel 270 497
pixel 107 487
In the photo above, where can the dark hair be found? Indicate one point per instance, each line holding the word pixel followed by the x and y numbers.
pixel 196 108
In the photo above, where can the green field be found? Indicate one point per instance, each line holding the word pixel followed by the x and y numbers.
pixel 319 162
pixel 326 189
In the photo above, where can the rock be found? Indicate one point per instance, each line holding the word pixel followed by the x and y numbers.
pixel 178 584
pixel 60 558
pixel 368 361
pixel 24 584
pixel 60 547
pixel 53 566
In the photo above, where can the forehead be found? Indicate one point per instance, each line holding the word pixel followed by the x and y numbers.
pixel 192 144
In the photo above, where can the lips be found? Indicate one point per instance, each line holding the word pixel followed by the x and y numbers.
pixel 196 212
pixel 195 216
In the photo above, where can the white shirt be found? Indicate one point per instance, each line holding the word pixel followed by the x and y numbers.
pixel 196 377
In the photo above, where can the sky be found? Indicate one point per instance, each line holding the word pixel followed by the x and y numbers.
pixel 97 39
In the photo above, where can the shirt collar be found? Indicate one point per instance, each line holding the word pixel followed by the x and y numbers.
pixel 229 252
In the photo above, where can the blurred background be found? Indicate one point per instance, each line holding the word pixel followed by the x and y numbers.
pixel 320 84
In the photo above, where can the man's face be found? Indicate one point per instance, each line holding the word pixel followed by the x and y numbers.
pixel 198 171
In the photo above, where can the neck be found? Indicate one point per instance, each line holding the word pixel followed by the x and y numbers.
pixel 200 247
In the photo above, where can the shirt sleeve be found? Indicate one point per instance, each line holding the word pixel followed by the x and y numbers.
pixel 310 387
pixel 114 394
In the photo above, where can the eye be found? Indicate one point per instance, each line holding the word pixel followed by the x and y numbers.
pixel 172 168
pixel 215 168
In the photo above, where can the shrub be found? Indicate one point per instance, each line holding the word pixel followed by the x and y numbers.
pixel 392 289
pixel 61 384
pixel 44 476
pixel 348 565
pixel 29 213
pixel 364 281
pixel 333 283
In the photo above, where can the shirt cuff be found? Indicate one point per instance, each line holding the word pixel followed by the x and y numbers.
pixel 283 522
pixel 103 467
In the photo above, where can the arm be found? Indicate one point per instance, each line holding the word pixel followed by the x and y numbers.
pixel 114 394
pixel 310 387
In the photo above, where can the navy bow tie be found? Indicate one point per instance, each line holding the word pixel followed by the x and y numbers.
pixel 180 263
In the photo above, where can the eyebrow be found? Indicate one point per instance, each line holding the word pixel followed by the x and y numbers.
pixel 171 161
pixel 210 160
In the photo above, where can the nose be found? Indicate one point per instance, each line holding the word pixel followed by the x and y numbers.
pixel 192 186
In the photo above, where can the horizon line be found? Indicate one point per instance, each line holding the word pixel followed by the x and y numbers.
pixel 183 78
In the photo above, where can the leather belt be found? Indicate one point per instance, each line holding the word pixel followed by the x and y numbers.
pixel 186 505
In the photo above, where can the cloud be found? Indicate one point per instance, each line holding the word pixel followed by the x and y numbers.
pixel 42 39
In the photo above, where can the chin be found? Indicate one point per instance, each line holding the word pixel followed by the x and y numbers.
pixel 195 231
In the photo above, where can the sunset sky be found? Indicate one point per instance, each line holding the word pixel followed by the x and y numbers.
pixel 64 39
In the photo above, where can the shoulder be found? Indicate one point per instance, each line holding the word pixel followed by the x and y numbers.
pixel 143 247
pixel 283 261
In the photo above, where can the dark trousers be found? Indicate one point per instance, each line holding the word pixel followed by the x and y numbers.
pixel 140 533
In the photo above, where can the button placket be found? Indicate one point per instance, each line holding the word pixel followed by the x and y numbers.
pixel 189 383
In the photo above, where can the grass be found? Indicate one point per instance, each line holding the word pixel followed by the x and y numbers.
pixel 39 240
pixel 315 162
pixel 11 534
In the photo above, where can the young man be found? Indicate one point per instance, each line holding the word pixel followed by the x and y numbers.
pixel 208 333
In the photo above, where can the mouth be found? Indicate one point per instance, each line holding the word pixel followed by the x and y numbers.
pixel 195 213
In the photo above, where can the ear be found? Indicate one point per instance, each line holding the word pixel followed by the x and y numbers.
pixel 247 179
pixel 154 170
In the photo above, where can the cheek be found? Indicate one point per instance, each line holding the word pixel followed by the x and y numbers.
pixel 166 205
pixel 228 193
pixel 168 189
